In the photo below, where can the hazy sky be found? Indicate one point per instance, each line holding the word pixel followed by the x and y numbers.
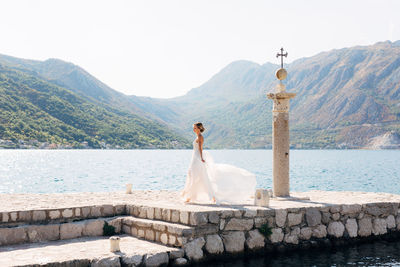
pixel 165 48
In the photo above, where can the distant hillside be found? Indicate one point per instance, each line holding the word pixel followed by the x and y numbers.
pixel 35 112
pixel 345 97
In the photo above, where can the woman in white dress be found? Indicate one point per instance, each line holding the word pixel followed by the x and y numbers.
pixel 208 182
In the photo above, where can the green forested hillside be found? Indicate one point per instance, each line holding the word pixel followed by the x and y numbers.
pixel 32 108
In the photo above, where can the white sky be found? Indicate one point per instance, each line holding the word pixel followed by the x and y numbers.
pixel 164 48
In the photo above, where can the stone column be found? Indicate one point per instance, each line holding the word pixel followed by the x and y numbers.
pixel 280 142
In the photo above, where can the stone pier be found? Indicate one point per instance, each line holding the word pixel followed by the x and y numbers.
pixel 62 229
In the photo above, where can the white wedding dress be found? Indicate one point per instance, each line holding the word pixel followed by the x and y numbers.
pixel 226 183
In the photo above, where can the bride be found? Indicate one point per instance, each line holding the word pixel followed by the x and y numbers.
pixel 209 182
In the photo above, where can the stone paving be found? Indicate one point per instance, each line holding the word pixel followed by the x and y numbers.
pixel 171 199
pixel 88 250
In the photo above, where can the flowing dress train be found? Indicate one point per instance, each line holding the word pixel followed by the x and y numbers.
pixel 228 184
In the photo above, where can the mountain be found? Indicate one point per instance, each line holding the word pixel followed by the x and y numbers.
pixel 345 97
pixel 64 106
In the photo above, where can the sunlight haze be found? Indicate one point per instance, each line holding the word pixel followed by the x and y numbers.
pixel 165 48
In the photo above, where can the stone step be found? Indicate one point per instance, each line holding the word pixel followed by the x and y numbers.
pixel 172 234
pixel 89 251
pixel 32 233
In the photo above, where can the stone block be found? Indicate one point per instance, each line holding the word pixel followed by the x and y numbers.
pixel 175 216
pixel 294 219
pixel 326 217
pixel 141 233
pixel 77 212
pixel 24 216
pixel 265 212
pixel 280 217
pixel 134 231
pixel 227 214
pixel 336 216
pixel 166 215
pixel 95 211
pixel 379 226
pixel 234 241
pixel 365 227
pixel 171 240
pixel 336 229
pixel 71 230
pixel 5 217
pixel 93 228
pixel 150 213
pixel 305 233
pixel 255 240
pixel 258 222
pixel 159 227
pixel 39 215
pixel 390 222
pixel 194 249
pixel 142 212
pixel 134 210
pixel 67 213
pixel 180 262
pixel 350 209
pixel 156 259
pixel 126 229
pixel 238 213
pixel 313 217
pixel 248 213
pixel 319 231
pixel 276 235
pixel 15 235
pixel 13 216
pixel 198 218
pixel 157 213
pixel 120 209
pixel 293 236
pixel 164 238
pixel 117 223
pixel 174 254
pixel 352 227
pixel 111 261
pixel 378 209
pixel 108 210
pixel 239 224
pixel 85 212
pixel 335 209
pixel 131 260
pixel 214 244
pixel 38 233
pixel 149 235
pixel 54 214
pixel 184 217
pixel 213 217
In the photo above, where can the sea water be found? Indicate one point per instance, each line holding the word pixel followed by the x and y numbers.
pixel 56 171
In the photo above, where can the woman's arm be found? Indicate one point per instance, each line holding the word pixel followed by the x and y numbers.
pixel 201 140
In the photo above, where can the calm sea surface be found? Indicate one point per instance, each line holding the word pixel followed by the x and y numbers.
pixel 49 171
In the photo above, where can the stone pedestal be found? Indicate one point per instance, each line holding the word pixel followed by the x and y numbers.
pixel 280 142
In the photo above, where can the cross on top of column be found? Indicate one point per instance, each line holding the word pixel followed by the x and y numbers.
pixel 282 55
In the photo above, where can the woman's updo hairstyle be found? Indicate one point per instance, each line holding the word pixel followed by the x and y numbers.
pixel 200 126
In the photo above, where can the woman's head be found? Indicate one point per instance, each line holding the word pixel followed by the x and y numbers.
pixel 198 127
